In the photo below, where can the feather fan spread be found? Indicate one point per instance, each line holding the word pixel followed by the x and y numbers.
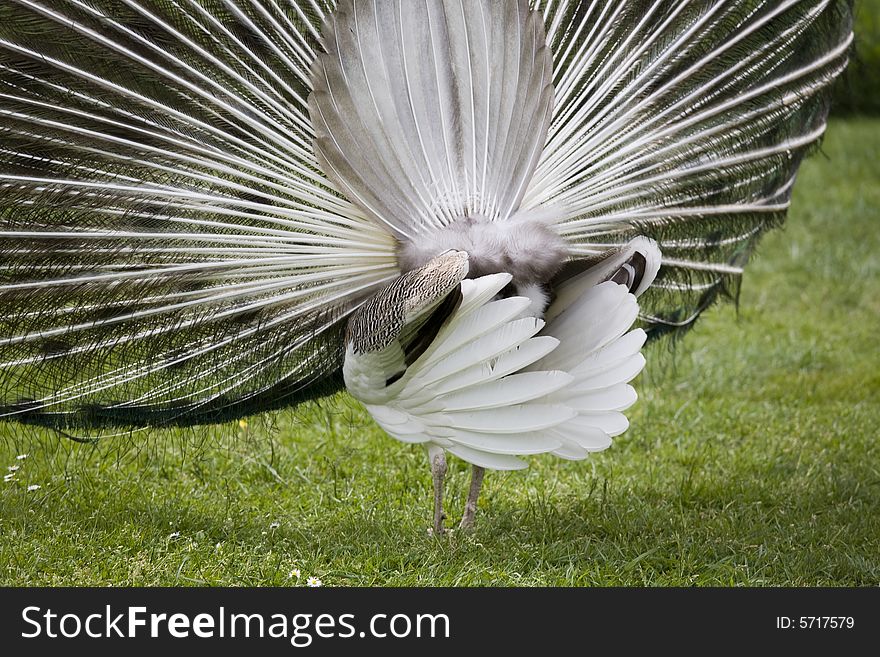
pixel 196 196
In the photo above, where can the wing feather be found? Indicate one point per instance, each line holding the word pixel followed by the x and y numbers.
pixel 490 387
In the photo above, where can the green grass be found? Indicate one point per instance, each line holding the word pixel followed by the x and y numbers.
pixel 753 460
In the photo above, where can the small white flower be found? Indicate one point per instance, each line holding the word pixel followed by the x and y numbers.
pixel 21 457
pixel 313 582
pixel 13 468
pixel 217 547
pixel 275 525
pixel 34 487
pixel 9 477
pixel 295 573
pixel 174 535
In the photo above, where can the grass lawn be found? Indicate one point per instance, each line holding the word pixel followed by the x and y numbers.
pixel 753 459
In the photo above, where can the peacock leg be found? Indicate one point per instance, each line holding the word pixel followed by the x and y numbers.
pixel 470 507
pixel 438 470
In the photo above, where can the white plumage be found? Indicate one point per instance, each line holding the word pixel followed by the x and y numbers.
pixel 209 210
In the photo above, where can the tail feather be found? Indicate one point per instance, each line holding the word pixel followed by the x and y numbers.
pixel 685 122
pixel 170 251
pixel 426 113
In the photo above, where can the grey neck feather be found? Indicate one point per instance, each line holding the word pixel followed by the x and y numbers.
pixel 527 249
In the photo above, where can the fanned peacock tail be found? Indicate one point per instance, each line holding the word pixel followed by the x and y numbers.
pixel 172 252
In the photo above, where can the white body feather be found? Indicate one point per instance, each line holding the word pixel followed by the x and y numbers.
pixel 494 385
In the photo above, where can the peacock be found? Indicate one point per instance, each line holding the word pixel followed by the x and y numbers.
pixel 472 215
